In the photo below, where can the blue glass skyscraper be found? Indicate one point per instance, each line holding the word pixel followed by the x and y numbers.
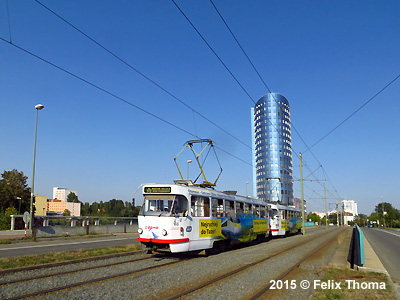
pixel 273 149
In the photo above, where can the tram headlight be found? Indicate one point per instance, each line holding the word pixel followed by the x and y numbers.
pixel 140 230
pixel 164 232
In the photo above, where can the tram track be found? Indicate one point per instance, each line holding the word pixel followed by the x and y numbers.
pixel 71 271
pixel 263 293
pixel 236 271
pixel 147 270
pixel 64 263
pixel 12 283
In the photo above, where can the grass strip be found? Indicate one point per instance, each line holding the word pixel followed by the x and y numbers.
pixel 354 285
pixel 32 260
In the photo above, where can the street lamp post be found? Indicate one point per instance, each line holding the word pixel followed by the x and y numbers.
pixel 188 162
pixel 246 187
pixel 38 107
pixel 19 209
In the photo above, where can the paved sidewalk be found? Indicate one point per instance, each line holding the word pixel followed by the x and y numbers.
pixel 372 262
pixel 12 234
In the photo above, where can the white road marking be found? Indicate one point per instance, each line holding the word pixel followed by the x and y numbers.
pixel 387 231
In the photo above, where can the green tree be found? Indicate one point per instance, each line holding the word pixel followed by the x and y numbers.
pixel 5 220
pixel 332 218
pixel 361 220
pixel 72 197
pixel 14 191
pixel 313 217
pixel 386 214
pixel 85 209
pixel 66 212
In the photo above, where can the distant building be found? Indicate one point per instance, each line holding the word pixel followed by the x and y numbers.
pixel 62 193
pixel 350 210
pixel 40 205
pixel 347 217
pixel 297 203
pixel 58 206
pixel 273 149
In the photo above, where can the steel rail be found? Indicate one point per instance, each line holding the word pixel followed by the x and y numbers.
pixel 294 267
pixel 78 284
pixel 73 271
pixel 238 270
pixel 68 262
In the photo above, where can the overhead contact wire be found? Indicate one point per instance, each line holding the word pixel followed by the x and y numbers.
pixel 111 94
pixel 356 111
pixel 215 53
pixel 140 73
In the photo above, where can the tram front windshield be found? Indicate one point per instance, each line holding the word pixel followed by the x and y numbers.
pixel 164 205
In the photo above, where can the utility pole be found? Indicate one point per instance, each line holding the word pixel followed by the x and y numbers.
pixel 326 210
pixel 302 196
pixel 383 212
pixel 337 213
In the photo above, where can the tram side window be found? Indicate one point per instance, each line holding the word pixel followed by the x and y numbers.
pixel 257 210
pixel 217 207
pixel 247 209
pixel 263 212
pixel 230 209
pixel 239 209
pixel 200 206
pixel 182 204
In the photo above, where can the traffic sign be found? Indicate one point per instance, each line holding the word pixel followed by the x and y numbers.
pixel 26 217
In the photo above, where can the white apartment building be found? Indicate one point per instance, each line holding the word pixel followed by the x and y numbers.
pixel 62 193
pixel 349 206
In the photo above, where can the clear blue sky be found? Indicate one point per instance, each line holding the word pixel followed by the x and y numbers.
pixel 326 57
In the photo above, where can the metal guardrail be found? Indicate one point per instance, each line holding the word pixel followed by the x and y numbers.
pixel 85 220
pixel 356 254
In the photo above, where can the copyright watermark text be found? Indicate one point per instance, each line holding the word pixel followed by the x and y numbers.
pixel 326 285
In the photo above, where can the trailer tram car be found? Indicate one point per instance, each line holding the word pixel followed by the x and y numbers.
pixel 284 220
pixel 182 217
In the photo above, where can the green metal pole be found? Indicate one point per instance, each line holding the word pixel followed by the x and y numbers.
pixel 38 107
pixel 326 210
pixel 33 174
pixel 302 195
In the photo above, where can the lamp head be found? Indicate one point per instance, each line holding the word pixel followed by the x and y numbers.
pixel 39 106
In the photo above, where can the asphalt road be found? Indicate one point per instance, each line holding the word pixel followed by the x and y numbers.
pixel 43 247
pixel 386 244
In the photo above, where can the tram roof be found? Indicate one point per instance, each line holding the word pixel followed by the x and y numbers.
pixel 200 191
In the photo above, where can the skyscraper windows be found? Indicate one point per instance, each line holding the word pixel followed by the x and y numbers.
pixel 272 110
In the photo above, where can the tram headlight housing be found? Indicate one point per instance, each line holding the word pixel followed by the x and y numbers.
pixel 140 230
pixel 164 232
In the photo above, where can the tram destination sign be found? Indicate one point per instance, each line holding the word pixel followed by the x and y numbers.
pixel 157 190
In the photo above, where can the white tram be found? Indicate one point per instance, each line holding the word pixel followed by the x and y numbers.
pixel 182 217
pixel 284 220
